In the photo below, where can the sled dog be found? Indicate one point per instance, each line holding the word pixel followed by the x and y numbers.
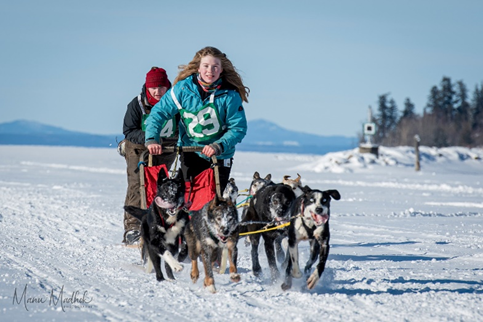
pixel 231 191
pixel 162 224
pixel 213 227
pixel 295 184
pixel 310 221
pixel 271 205
pixel 257 184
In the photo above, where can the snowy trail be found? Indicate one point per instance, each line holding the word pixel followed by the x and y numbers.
pixel 405 246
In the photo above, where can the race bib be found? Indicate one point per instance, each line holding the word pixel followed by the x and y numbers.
pixel 203 124
pixel 168 130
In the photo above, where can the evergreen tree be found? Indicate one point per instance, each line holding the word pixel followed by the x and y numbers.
pixel 382 118
pixel 392 115
pixel 462 107
pixel 477 108
pixel 408 112
pixel 447 98
pixel 434 102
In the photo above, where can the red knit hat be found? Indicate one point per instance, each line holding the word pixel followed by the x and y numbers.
pixel 157 77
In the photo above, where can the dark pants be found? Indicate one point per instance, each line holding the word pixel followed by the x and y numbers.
pixel 192 165
pixel 133 195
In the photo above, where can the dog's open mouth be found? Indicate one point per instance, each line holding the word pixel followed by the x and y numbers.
pixel 171 208
pixel 320 219
pixel 222 238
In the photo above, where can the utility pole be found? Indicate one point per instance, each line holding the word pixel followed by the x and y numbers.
pixel 417 139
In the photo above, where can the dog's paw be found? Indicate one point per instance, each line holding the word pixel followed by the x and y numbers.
pixel 177 267
pixel 234 277
pixel 211 288
pixel 286 286
pixel 313 280
pixel 172 262
pixel 209 284
pixel 194 277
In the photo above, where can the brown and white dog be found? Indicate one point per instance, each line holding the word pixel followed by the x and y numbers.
pixel 310 221
pixel 295 184
pixel 213 227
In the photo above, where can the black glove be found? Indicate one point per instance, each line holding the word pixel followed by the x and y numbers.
pixel 217 147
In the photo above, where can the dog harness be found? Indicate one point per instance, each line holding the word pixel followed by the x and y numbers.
pixel 162 219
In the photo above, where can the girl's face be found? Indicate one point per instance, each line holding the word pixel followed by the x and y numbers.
pixel 157 92
pixel 210 69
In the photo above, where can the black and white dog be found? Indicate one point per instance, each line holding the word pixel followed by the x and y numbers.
pixel 259 182
pixel 231 191
pixel 162 224
pixel 213 227
pixel 271 205
pixel 311 213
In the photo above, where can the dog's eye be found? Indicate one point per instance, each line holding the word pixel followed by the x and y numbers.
pixel 312 200
pixel 324 200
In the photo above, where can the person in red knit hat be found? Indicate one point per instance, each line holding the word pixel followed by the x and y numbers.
pixel 155 86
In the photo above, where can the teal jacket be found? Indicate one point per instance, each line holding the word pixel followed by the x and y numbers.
pixel 202 123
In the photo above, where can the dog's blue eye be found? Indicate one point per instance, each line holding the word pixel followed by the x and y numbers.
pixel 312 200
pixel 324 200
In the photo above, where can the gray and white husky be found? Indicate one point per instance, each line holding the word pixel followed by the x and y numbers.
pixel 213 227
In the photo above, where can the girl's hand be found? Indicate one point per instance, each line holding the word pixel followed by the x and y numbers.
pixel 208 151
pixel 155 149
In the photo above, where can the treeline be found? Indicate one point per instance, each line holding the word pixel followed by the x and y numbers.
pixel 450 118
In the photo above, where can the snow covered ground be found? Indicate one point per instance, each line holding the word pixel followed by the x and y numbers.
pixel 405 245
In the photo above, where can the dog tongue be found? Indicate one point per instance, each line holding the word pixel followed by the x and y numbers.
pixel 320 219
pixel 163 204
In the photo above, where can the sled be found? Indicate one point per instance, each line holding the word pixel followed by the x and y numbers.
pixel 198 192
pixel 201 190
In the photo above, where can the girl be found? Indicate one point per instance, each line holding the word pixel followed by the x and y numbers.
pixel 208 94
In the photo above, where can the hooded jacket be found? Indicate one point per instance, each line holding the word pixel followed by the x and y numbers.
pixel 222 122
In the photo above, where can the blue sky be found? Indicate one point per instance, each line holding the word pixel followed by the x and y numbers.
pixel 312 66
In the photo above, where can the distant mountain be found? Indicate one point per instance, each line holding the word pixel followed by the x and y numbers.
pixel 24 132
pixel 265 136
pixel 262 136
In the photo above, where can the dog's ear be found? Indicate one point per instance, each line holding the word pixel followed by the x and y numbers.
pixel 162 175
pixel 268 177
pixel 298 179
pixel 306 189
pixel 256 175
pixel 334 194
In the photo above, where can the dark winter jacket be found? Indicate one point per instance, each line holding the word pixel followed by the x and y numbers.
pixel 132 126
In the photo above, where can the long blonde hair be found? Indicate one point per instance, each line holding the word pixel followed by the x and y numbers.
pixel 229 74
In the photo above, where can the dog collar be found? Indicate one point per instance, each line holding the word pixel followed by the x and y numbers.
pixel 162 219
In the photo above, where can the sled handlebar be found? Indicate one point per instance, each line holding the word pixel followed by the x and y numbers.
pixel 182 149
